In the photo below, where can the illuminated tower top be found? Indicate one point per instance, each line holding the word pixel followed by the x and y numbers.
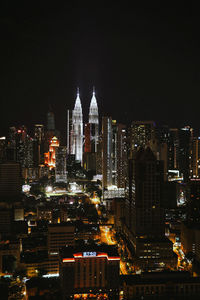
pixel 77 112
pixel 93 113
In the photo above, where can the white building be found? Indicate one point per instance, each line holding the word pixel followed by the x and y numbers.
pixel 77 130
pixel 94 122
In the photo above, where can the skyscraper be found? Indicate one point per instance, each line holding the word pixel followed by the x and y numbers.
pixel 195 158
pixel 107 151
pixel 60 170
pixel 77 129
pixel 141 134
pixel 94 122
pixel 38 145
pixel 144 210
pixel 50 121
pixel 113 153
pixel 185 138
pixel 69 131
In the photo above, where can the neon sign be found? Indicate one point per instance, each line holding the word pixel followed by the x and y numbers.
pixel 89 254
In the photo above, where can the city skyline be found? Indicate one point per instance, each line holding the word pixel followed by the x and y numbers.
pixel 143 62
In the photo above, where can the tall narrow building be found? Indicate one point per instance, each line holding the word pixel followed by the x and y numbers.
pixel 144 211
pixel 77 128
pixel 94 122
pixel 107 148
pixel 69 132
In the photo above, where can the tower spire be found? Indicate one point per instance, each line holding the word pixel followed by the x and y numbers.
pixel 77 124
pixel 94 120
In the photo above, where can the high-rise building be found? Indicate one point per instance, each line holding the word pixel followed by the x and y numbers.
pixel 69 132
pixel 50 121
pixel 173 149
pixel 119 154
pixel 59 235
pixel 144 210
pixel 11 146
pixel 77 130
pixel 60 170
pixel 10 179
pixel 38 145
pixel 141 134
pixel 50 156
pixel 50 129
pixel 114 153
pixel 94 122
pixel 107 151
pixel 195 158
pixel 184 157
pixel 89 156
pixel 87 131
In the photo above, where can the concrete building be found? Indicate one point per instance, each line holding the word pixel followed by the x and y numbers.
pixel 93 269
pixel 144 212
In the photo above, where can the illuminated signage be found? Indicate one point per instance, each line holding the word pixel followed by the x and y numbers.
pixel 89 254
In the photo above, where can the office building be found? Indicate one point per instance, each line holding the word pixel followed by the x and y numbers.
pixel 60 164
pixel 69 132
pixel 77 130
pixel 195 158
pixel 141 133
pixel 94 122
pixel 94 271
pixel 144 212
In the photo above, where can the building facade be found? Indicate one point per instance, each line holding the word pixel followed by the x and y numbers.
pixel 94 270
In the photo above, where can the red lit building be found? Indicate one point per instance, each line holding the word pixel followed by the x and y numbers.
pixel 50 157
pixel 89 271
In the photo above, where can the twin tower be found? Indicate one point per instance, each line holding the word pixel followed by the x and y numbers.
pixel 75 136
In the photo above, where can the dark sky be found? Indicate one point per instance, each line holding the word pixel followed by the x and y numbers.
pixel 143 61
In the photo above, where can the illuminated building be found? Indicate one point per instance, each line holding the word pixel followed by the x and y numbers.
pixel 195 158
pixel 185 138
pixel 2 148
pixel 50 157
pixel 94 122
pixel 119 154
pixel 141 134
pixel 59 235
pixel 144 212
pixel 77 130
pixel 87 147
pixel 107 151
pixel 173 148
pixel 94 271
pixel 60 170
pixel 20 146
pixel 89 156
pixel 38 145
pixel 190 228
pixel 113 153
pixel 69 132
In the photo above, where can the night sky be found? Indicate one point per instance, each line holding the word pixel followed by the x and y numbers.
pixel 144 62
